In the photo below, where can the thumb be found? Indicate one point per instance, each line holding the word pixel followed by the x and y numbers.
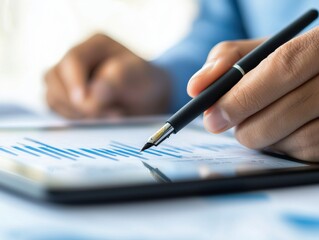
pixel 221 58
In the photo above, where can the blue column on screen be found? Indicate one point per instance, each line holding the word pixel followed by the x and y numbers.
pixel 97 154
pixel 51 147
pixel 7 151
pixel 129 152
pixel 171 150
pixel 106 151
pixel 112 153
pixel 80 153
pixel 56 153
pixel 40 151
pixel 120 152
pixel 166 153
pixel 126 146
pixel 26 151
pixel 152 153
pixel 182 149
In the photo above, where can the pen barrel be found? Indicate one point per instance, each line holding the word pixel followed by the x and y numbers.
pixel 215 91
pixel 205 99
pixel 252 59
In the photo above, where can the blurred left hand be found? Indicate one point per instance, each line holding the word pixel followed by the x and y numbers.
pixel 276 105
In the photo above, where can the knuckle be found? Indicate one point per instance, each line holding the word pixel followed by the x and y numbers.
pixel 226 45
pixel 287 59
pixel 70 55
pixel 284 61
pixel 229 46
pixel 98 36
pixel 312 39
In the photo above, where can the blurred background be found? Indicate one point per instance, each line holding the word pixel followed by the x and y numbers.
pixel 35 34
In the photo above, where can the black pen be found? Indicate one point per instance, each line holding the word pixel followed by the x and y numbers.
pixel 216 90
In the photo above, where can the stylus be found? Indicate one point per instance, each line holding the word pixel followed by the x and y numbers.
pixel 216 90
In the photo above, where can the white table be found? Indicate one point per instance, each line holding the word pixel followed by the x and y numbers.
pixel 277 214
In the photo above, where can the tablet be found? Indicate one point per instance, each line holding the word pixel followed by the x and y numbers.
pixel 104 163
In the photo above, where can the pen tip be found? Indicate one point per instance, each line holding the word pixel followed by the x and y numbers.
pixel 146 146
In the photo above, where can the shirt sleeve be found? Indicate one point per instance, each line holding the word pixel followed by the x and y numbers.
pixel 218 20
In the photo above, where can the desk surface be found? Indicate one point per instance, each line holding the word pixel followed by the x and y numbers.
pixel 276 214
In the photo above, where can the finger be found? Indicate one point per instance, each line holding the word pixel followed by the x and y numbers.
pixel 56 96
pixel 281 118
pixel 78 63
pixel 301 144
pixel 74 75
pixel 222 57
pixel 104 88
pixel 64 111
pixel 114 113
pixel 286 69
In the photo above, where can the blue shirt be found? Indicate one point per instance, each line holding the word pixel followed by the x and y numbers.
pixel 220 20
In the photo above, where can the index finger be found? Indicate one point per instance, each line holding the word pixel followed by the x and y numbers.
pixel 290 66
pixel 77 65
pixel 221 58
pixel 74 75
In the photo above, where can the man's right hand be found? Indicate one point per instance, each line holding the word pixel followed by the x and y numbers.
pixel 101 78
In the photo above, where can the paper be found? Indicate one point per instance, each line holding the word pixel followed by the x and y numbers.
pixel 110 155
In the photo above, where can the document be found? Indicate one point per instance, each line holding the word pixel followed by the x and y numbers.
pixel 111 154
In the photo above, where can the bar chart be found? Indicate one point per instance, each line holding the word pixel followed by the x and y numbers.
pixel 113 151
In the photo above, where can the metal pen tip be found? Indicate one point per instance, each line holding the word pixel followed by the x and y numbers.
pixel 158 137
pixel 146 146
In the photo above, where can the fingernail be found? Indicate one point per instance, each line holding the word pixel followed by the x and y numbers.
pixel 204 70
pixel 77 96
pixel 216 120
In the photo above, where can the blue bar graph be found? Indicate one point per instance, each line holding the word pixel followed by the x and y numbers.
pixel 40 151
pixel 80 153
pixel 7 151
pixel 114 151
pixel 55 153
pixel 49 146
pixel 91 151
pixel 178 149
pixel 26 151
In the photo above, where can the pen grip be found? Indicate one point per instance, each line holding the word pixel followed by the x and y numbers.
pixel 205 99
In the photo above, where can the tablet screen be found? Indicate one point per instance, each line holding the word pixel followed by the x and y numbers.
pixel 110 156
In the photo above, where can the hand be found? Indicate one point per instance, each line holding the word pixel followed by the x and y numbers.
pixel 101 78
pixel 276 105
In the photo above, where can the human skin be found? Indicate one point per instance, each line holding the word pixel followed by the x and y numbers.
pixel 275 106
pixel 102 78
